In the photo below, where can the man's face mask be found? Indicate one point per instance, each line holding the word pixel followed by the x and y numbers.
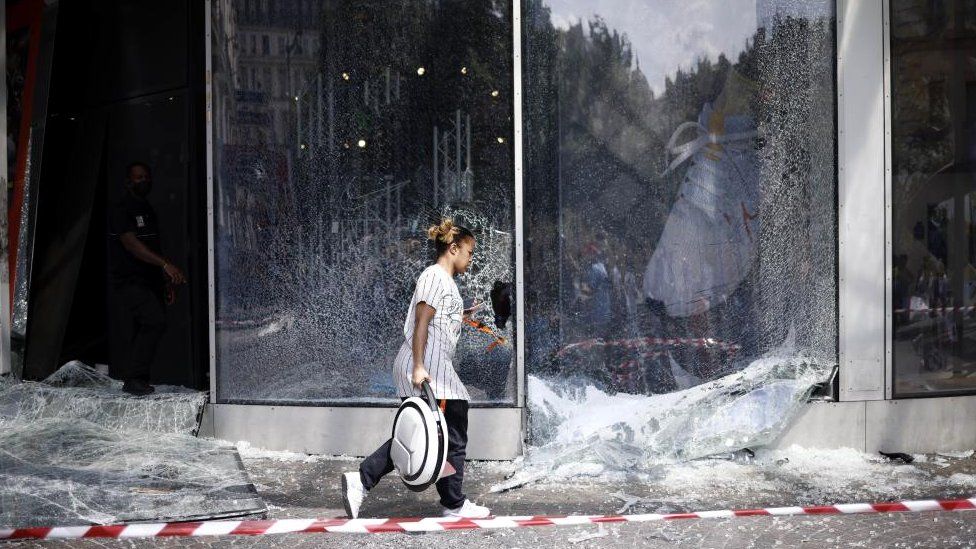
pixel 142 188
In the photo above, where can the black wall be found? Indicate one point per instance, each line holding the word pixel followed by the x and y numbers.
pixel 127 84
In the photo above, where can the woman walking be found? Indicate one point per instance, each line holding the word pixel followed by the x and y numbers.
pixel 431 332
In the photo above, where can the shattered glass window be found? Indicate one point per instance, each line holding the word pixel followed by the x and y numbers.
pixel 933 153
pixel 76 450
pixel 680 190
pixel 332 154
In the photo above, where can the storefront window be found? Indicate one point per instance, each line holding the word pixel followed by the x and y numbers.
pixel 680 188
pixel 383 117
pixel 933 149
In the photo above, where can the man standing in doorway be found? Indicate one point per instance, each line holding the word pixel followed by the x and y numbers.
pixel 141 276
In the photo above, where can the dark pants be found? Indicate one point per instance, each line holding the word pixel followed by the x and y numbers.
pixel 144 308
pixel 378 464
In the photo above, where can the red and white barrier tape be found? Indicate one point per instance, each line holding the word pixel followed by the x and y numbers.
pixel 381 525
pixel 937 310
pixel 638 342
pixel 245 323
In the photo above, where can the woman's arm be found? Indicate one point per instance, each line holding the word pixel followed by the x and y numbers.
pixel 423 317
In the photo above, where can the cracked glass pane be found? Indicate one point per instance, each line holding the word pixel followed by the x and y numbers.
pixel 341 133
pixel 680 180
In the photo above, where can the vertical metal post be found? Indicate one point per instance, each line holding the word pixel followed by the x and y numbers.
pixel 318 253
pixel 435 166
pixel 457 154
pixel 331 119
pixel 318 110
pixel 211 288
pixel 310 126
pixel 889 330
pixel 519 201
pixel 861 216
pixel 4 238
pixel 388 182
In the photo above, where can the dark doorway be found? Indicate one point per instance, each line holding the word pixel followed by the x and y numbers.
pixel 127 85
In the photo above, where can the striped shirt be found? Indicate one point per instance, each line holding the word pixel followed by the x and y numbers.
pixel 436 288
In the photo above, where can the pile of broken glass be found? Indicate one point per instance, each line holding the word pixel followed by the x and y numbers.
pixel 586 432
pixel 75 450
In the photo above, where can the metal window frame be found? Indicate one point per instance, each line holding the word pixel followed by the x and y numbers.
pixel 34 143
pixel 305 427
pixel 5 319
pixel 211 289
pixel 889 304
pixel 890 393
pixel 519 206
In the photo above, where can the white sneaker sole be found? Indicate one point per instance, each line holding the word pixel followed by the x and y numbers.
pixel 449 514
pixel 345 497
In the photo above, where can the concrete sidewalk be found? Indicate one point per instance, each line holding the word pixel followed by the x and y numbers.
pixel 306 489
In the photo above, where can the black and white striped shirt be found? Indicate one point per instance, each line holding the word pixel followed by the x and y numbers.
pixel 436 288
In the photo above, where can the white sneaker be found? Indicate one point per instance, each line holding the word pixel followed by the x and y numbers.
pixel 468 510
pixel 353 493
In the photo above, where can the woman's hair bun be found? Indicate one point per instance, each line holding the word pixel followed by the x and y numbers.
pixel 443 232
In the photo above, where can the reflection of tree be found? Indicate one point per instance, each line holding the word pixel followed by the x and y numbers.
pixel 596 135
pixel 614 126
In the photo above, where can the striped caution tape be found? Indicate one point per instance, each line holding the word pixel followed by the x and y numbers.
pixel 409 525
pixel 641 342
pixel 244 323
pixel 937 311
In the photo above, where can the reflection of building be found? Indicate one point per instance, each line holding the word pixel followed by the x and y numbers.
pixel 453 178
pixel 267 61
pixel 934 216
pixel 225 59
pixel 277 61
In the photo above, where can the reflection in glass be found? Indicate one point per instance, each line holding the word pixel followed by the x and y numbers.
pixel 933 147
pixel 680 184
pixel 342 129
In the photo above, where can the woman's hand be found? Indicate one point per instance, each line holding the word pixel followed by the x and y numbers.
pixel 419 375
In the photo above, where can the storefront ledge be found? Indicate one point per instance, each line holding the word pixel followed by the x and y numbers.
pixel 493 433
pixel 908 425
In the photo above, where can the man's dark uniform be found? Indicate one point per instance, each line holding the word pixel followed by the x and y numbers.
pixel 139 284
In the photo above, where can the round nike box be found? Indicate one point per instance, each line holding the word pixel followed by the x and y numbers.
pixel 419 445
